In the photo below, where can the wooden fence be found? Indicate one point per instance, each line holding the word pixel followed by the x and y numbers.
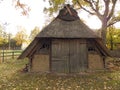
pixel 5 55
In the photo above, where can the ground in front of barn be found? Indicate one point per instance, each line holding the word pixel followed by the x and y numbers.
pixel 13 78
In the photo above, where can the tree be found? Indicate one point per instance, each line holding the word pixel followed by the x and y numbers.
pixel 3 36
pixel 103 9
pixel 33 33
pixel 105 13
pixel 110 37
pixel 25 8
pixel 113 37
pixel 1 39
pixel 21 36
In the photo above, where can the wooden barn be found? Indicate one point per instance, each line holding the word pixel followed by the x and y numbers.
pixel 66 45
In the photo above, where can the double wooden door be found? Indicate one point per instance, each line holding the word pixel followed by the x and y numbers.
pixel 68 55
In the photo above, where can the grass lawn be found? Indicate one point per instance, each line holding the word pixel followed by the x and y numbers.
pixel 11 78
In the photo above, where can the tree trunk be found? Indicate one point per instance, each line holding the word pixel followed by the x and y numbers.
pixel 104 30
pixel 113 53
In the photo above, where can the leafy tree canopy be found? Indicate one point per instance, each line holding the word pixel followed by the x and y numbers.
pixel 33 33
pixel 21 36
pixel 113 38
pixel 105 10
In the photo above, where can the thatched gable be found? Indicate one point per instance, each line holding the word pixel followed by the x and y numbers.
pixel 66 25
pixel 68 14
pixel 64 29
pixel 66 45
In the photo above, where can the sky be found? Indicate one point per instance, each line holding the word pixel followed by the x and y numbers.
pixel 14 18
pixel 36 17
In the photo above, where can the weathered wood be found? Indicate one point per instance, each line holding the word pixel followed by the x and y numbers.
pixel 68 50
pixel 33 50
pixel 115 53
pixel 60 58
pixel 5 55
pixel 102 48
pixel 69 55
pixel 78 55
pixel 28 50
pixel 44 47
pixel 84 57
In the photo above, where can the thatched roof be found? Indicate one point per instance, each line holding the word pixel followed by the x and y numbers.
pixel 67 25
pixel 67 29
pixel 68 14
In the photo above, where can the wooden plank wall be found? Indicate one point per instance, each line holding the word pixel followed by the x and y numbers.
pixel 78 55
pixel 59 60
pixel 69 55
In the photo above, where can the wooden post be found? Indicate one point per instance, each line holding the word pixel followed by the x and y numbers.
pixel 0 58
pixel 13 55
pixel 3 56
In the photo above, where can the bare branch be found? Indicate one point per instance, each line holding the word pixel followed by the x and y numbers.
pixel 95 7
pixel 113 21
pixel 24 7
pixel 91 4
pixel 96 3
pixel 106 7
pixel 92 13
pixel 112 11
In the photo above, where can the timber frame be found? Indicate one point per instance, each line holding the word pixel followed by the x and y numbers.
pixel 66 45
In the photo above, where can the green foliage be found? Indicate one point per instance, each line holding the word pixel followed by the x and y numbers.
pixel 55 5
pixel 1 40
pixel 3 36
pixel 104 10
pixel 113 38
pixel 11 78
pixel 21 36
pixel 33 33
pixel 6 39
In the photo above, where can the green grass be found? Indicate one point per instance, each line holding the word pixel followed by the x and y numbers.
pixel 11 78
pixel 10 54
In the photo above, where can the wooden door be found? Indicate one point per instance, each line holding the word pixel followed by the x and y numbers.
pixel 68 56
pixel 59 56
pixel 78 55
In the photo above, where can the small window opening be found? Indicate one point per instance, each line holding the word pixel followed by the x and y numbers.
pixel 91 49
pixel 44 48
pixel 45 45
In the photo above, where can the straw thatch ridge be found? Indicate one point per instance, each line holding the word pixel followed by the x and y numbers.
pixel 64 29
pixel 68 13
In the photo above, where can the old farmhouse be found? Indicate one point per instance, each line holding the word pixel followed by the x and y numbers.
pixel 66 45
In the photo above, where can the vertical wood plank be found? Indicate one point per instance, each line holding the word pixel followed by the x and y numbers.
pixel 69 55
pixel 78 55
pixel 84 56
pixel 59 59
